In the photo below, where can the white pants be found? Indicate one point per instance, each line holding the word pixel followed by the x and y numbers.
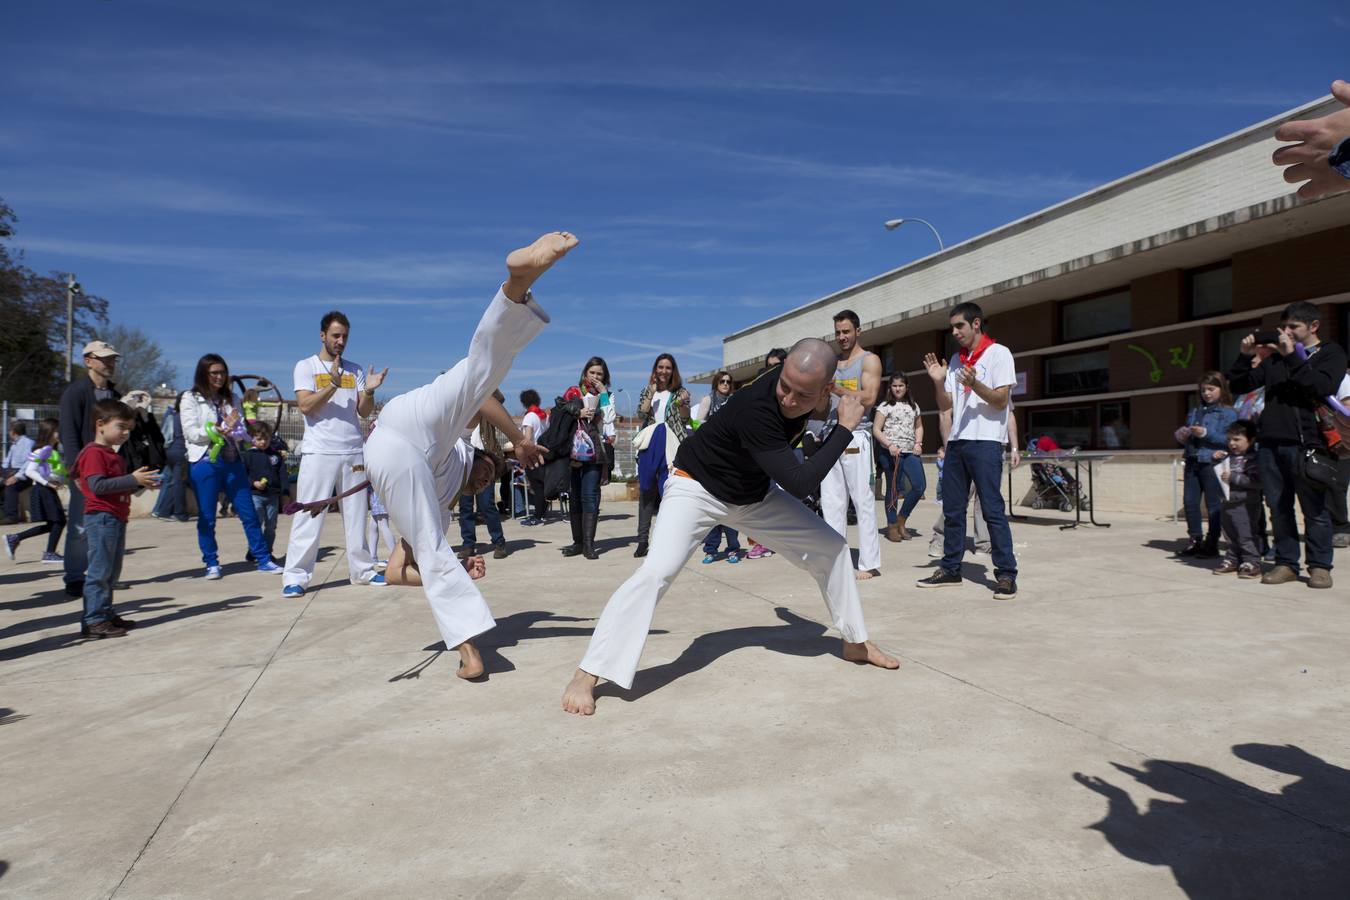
pixel 378 530
pixel 406 485
pixel 688 511
pixel 321 475
pixel 851 477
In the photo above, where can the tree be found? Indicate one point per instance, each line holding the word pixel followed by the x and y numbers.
pixel 142 365
pixel 33 323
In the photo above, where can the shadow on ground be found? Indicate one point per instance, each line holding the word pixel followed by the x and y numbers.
pixel 1223 838
pixel 795 637
pixel 128 608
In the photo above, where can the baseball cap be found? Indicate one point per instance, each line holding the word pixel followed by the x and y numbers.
pixel 99 349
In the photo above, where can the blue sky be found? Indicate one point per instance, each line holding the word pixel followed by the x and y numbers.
pixel 225 172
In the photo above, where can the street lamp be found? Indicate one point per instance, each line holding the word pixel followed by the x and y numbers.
pixel 72 291
pixel 893 224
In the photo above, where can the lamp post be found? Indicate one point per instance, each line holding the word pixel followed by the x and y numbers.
pixel 893 224
pixel 72 288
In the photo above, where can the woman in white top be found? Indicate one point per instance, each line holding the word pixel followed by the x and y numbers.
pixel 898 428
pixel 216 464
pixel 664 400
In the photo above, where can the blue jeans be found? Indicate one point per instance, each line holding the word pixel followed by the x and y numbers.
pixel 911 470
pixel 714 539
pixel 1200 480
pixel 468 531
pixel 266 506
pixel 1282 481
pixel 172 501
pixel 106 538
pixel 980 462
pixel 585 487
pixel 208 480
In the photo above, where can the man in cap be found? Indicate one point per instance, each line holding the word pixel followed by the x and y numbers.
pixel 77 430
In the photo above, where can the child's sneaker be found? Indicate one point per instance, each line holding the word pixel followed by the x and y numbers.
pixel 11 544
pixel 269 566
pixel 1227 567
pixel 734 556
pixel 1249 570
pixel 708 558
pixel 756 552
pixel 213 573
pixel 53 558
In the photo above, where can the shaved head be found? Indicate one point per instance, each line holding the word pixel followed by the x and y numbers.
pixel 813 359
pixel 807 375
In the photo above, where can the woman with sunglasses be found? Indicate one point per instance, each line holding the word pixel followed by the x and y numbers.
pixel 209 416
pixel 707 408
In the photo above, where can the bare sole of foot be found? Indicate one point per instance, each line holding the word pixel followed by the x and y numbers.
pixel 470 663
pixel 528 263
pixel 579 698
pixel 867 653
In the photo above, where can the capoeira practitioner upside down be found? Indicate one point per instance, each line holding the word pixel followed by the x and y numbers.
pixel 419 462
pixel 721 477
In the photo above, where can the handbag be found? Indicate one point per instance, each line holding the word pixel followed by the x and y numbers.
pixel 1318 467
pixel 583 445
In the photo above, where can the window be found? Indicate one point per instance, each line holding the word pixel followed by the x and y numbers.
pixel 1084 319
pixel 1113 425
pixel 1229 342
pixel 1211 292
pixel 1079 373
pixel 885 355
pixel 1069 427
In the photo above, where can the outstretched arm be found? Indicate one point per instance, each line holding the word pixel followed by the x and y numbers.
pixel 801 478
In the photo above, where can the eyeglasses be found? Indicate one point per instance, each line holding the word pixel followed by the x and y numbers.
pixel 217 373
pixel 725 381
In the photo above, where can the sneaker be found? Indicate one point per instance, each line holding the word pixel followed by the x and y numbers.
pixel 1319 578
pixel 376 581
pixel 74 588
pixel 1279 575
pixel 11 544
pixel 1006 589
pixel 121 586
pixel 293 590
pixel 499 551
pixel 1249 570
pixel 381 565
pixel 269 566
pixel 101 630
pixel 709 558
pixel 734 556
pixel 530 522
pixel 182 518
pixel 213 573
pixel 54 559
pixel 1341 541
pixel 940 578
pixel 935 551
pixel 1227 567
pixel 1192 548
pixel 155 515
pixel 756 552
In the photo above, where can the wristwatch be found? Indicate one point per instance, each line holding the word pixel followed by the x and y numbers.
pixel 1340 158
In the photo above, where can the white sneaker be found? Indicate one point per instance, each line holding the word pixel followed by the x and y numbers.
pixel 213 573
pixel 372 579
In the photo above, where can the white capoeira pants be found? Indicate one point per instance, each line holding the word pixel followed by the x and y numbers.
pixel 851 478
pixel 688 511
pixel 418 511
pixel 322 475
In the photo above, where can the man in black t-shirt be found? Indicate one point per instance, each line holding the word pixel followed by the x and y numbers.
pixel 722 476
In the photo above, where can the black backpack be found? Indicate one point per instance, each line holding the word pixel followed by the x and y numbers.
pixel 557 436
pixel 145 447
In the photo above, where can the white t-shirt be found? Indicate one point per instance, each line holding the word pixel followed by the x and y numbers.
pixel 1343 392
pixel 659 401
pixel 335 428
pixel 532 420
pixel 972 418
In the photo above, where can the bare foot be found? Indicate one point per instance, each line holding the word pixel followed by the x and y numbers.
pixel 528 263
pixel 867 653
pixel 864 574
pixel 470 663
pixel 579 698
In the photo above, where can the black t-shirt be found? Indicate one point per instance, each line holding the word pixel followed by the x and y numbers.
pixel 749 442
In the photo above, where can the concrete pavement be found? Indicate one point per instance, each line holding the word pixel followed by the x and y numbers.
pixel 1129 726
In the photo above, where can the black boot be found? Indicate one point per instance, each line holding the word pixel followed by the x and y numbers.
pixel 1209 548
pixel 1192 547
pixel 574 514
pixel 588 522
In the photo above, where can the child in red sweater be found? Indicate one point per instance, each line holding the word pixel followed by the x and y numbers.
pixel 101 475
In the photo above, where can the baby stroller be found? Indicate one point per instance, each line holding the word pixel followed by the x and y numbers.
pixel 1053 484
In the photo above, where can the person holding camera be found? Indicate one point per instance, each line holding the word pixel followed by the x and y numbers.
pixel 1205 437
pixel 1298 370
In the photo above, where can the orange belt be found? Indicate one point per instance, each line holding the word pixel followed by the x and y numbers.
pixel 681 473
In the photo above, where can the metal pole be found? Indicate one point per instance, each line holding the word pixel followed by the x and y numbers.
pixel 70 324
pixel 941 246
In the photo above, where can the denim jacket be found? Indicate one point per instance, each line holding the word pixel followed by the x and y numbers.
pixel 1215 420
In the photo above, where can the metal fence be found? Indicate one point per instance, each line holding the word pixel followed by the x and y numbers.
pixel 28 413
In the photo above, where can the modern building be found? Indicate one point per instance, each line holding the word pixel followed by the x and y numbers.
pixel 1113 302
